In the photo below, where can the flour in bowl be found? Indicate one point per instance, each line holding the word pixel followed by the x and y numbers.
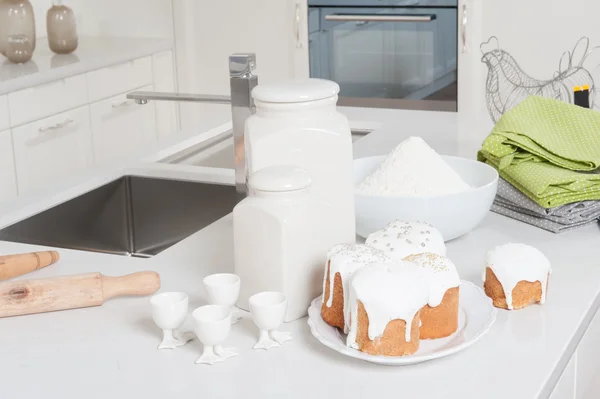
pixel 413 169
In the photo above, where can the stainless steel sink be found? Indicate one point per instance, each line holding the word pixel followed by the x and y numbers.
pixel 218 151
pixel 131 216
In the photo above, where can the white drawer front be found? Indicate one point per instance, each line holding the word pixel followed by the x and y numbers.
pixel 118 79
pixel 588 361
pixel 52 149
pixel 8 181
pixel 121 127
pixel 164 81
pixel 48 99
pixel 4 124
pixel 566 386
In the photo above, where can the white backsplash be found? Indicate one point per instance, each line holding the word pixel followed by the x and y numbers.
pixel 131 18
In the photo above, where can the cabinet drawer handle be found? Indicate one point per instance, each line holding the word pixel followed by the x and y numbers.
pixel 465 22
pixel 62 82
pixel 58 125
pixel 381 17
pixel 123 103
pixel 297 26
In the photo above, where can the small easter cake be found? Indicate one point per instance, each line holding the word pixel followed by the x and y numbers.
pixel 400 239
pixel 342 261
pixel 516 276
pixel 439 318
pixel 385 303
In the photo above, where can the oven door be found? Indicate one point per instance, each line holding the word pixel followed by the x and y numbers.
pixel 387 57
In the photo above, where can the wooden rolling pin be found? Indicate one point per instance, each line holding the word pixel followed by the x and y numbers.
pixel 71 292
pixel 16 265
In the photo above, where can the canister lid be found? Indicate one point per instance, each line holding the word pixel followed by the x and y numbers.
pixel 280 178
pixel 295 91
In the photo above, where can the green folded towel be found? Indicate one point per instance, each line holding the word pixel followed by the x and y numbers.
pixel 549 185
pixel 540 145
pixel 564 134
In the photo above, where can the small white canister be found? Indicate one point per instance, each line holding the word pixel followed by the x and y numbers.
pixel 297 123
pixel 281 237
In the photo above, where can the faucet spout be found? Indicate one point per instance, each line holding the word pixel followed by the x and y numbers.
pixel 142 97
pixel 242 81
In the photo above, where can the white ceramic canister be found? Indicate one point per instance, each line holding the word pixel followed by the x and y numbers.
pixel 297 123
pixel 281 238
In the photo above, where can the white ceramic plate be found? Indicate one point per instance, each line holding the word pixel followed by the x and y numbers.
pixel 476 316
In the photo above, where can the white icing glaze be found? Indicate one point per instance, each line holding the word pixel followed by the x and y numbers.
pixel 512 263
pixel 388 291
pixel 345 259
pixel 400 239
pixel 439 271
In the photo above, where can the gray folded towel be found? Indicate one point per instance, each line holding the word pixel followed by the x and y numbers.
pixel 511 202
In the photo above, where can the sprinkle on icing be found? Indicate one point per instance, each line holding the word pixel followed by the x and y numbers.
pixel 400 239
pixel 345 259
pixel 512 263
pixel 388 291
pixel 439 271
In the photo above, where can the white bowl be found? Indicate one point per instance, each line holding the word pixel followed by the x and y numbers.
pixel 452 214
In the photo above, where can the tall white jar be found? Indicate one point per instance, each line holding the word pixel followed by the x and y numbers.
pixel 297 123
pixel 280 239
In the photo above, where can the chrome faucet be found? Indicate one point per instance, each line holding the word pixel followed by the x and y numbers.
pixel 241 81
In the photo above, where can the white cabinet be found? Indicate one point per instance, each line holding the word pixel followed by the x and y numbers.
pixel 46 130
pixel 588 362
pixel 566 386
pixel 120 127
pixel 52 148
pixel 4 122
pixel 107 82
pixel 164 81
pixel 8 182
pixel 48 99
pixel 276 30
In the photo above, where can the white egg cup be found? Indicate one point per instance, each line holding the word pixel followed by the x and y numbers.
pixel 169 310
pixel 223 289
pixel 268 311
pixel 212 326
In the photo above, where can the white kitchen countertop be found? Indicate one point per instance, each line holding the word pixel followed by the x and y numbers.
pixel 91 54
pixel 109 352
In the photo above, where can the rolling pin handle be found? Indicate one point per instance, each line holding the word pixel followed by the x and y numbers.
pixel 140 283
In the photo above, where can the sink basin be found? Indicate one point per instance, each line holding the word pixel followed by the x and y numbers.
pixel 218 151
pixel 132 216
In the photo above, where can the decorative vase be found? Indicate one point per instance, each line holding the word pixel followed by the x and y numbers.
pixel 62 28
pixel 19 49
pixel 16 21
pixel 3 27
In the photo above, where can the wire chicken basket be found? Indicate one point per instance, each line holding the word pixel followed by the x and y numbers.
pixel 507 84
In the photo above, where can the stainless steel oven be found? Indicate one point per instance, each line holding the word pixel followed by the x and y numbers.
pixel 386 53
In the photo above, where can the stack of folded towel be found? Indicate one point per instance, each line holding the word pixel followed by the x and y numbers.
pixel 548 155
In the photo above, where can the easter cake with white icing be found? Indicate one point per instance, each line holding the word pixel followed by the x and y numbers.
pixel 401 239
pixel 342 261
pixel 439 317
pixel 516 276
pixel 385 303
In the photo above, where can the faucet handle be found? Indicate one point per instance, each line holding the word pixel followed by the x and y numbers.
pixel 241 64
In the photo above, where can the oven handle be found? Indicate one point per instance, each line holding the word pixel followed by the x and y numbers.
pixel 380 18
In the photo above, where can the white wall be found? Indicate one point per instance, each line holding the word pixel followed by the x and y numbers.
pixel 132 18
pixel 536 32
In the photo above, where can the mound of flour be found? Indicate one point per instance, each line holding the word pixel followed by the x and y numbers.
pixel 413 169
